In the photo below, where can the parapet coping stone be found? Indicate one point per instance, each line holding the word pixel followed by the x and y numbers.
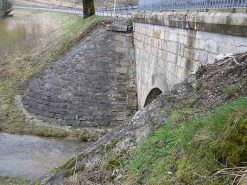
pixel 224 23
pixel 121 25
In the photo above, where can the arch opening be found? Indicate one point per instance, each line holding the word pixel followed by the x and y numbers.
pixel 153 94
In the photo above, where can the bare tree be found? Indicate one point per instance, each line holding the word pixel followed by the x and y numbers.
pixel 5 7
pixel 1 5
pixel 88 8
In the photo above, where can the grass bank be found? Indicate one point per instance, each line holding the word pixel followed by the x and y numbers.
pixel 210 148
pixel 13 180
pixel 17 69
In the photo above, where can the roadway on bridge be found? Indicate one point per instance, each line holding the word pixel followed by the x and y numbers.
pixel 55 9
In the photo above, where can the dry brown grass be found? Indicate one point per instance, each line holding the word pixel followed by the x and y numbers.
pixel 27 32
pixel 31 40
pixel 55 3
pixel 19 39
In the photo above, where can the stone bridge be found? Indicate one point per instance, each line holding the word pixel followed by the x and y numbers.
pixel 114 71
pixel 170 46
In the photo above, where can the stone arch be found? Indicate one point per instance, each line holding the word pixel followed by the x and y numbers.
pixel 153 94
pixel 147 84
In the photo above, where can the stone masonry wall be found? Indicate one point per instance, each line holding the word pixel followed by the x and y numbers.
pixel 170 46
pixel 92 85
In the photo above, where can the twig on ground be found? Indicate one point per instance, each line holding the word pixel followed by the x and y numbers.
pixel 238 173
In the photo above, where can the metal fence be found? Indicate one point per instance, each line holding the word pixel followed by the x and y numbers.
pixel 162 5
pixel 123 11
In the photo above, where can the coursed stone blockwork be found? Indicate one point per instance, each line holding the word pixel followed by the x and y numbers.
pixel 92 85
pixel 170 46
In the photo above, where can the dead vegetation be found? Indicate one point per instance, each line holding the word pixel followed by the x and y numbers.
pixel 29 41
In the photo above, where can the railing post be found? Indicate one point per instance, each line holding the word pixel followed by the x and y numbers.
pixel 160 7
pixel 111 12
pixel 188 5
pixel 207 5
pixel 121 11
pixel 234 4
pixel 152 7
pixel 128 11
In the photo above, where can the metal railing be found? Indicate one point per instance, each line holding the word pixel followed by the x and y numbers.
pixel 172 5
pixel 155 5
pixel 162 5
pixel 122 11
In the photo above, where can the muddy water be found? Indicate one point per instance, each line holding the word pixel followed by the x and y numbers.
pixel 30 157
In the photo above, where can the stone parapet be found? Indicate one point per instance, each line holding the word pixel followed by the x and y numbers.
pixel 223 23
pixel 170 46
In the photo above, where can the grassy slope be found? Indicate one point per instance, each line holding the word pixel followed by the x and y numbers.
pixel 15 74
pixel 204 140
pixel 4 180
pixel 191 151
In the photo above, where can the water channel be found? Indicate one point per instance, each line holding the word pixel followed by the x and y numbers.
pixel 30 157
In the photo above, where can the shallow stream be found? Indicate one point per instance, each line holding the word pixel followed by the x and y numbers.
pixel 30 157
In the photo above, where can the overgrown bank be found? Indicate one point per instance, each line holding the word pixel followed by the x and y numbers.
pixel 196 134
pixel 194 150
pixel 16 72
pixel 204 140
pixel 5 180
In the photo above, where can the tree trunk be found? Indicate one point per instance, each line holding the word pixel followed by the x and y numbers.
pixel 88 8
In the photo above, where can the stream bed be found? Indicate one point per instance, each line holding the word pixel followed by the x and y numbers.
pixel 31 157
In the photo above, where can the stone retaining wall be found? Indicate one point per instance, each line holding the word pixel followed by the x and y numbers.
pixel 170 46
pixel 92 85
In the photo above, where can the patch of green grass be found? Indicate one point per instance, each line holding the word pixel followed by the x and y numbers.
pixel 229 91
pixel 5 180
pixel 192 100
pixel 15 74
pixel 75 25
pixel 192 150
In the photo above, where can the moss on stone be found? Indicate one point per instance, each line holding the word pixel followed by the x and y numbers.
pixel 74 171
pixel 65 164
pixel 37 183
pixel 110 146
pixel 71 165
pixel 81 168
pixel 68 173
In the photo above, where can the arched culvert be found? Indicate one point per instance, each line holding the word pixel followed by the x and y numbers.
pixel 154 93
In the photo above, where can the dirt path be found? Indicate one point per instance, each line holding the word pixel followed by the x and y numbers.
pixel 48 8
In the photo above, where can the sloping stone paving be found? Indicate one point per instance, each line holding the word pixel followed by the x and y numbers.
pixel 92 85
